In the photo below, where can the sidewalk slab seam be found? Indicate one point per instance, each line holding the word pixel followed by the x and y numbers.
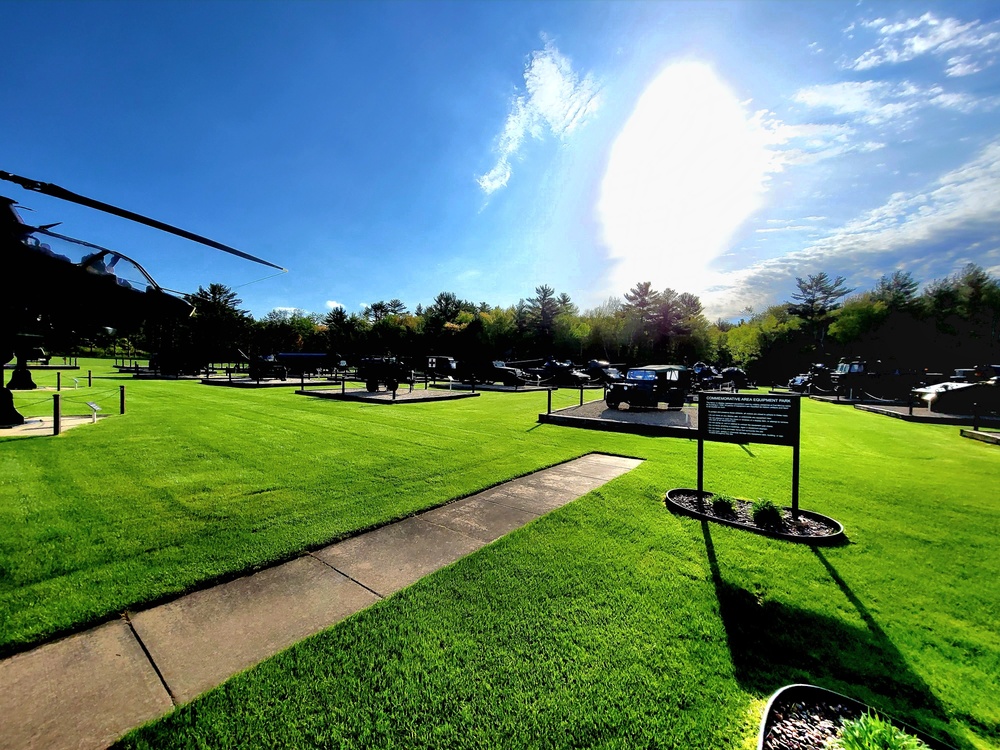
pixel 86 690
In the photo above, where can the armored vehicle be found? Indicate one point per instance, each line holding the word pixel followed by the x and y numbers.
pixel 651 385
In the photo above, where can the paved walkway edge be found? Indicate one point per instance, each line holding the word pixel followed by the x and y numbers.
pixel 86 690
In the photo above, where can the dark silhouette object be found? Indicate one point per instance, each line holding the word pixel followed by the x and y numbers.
pixel 651 385
pixel 554 372
pixel 42 291
pixel 602 371
pixel 493 372
pixel 376 371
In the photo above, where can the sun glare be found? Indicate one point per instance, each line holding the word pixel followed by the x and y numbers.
pixel 686 170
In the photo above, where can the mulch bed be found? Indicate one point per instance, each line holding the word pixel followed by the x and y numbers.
pixel 806 725
pixel 807 526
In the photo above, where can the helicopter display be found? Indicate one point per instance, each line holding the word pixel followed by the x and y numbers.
pixel 43 288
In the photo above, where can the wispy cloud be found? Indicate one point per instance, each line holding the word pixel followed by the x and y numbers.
pixel 878 102
pixel 968 47
pixel 555 100
pixel 930 232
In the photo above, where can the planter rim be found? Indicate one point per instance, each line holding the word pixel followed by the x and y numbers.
pixel 837 537
pixel 820 693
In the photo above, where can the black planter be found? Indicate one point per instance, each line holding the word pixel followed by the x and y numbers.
pixel 811 694
pixel 834 537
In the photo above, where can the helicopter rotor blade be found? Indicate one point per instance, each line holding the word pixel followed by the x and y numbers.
pixel 55 191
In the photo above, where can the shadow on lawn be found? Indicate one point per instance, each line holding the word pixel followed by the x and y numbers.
pixel 773 644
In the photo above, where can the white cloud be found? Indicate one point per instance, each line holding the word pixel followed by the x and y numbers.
pixel 557 101
pixel 873 102
pixel 878 102
pixel 936 230
pixel 789 228
pixel 333 304
pixel 962 66
pixel 928 34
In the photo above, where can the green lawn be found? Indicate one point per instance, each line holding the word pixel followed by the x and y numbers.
pixel 608 623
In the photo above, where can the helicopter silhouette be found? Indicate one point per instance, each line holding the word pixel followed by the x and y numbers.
pixel 43 289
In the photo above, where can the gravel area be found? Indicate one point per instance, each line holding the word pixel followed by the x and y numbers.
pixel 806 726
pixel 403 395
pixel 684 417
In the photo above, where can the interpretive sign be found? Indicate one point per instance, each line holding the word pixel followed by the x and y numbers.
pixel 750 418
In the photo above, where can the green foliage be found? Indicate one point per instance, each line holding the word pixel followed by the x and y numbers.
pixel 898 290
pixel 872 732
pixel 858 317
pixel 766 513
pixel 723 505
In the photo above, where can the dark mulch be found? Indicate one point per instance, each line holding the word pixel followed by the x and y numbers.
pixel 742 513
pixel 798 725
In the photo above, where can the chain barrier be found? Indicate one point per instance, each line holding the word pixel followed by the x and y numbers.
pixel 33 403
pixel 90 396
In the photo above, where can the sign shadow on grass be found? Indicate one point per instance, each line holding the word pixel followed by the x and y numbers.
pixel 773 644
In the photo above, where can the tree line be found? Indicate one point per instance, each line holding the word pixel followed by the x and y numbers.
pixel 952 322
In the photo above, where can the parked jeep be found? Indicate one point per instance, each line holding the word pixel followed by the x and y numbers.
pixel 651 385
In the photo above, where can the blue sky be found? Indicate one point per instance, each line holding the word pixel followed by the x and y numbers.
pixel 402 149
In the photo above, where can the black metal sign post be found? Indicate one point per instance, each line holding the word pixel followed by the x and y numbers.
pixel 750 418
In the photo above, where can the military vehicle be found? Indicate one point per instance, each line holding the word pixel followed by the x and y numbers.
pixel 388 371
pixel 442 368
pixel 982 397
pixel 859 379
pixel 266 367
pixel 650 386
pixel 602 371
pixel 495 371
pixel 554 372
pixel 704 377
pixel 818 378
pixel 735 377
pixel 44 289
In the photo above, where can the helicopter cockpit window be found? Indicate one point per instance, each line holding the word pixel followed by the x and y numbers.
pixel 44 247
pixel 125 272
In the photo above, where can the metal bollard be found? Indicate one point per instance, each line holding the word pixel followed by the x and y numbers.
pixel 121 400
pixel 90 378
pixel 56 414
pixel 549 391
pixel 58 381
pixel 581 395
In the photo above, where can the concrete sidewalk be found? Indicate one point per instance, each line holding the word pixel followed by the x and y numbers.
pixel 86 690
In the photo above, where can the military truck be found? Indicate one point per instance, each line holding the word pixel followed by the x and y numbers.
pixel 650 386
pixel 375 371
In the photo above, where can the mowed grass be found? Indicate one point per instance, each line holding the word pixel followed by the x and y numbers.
pixel 608 623
pixel 196 483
